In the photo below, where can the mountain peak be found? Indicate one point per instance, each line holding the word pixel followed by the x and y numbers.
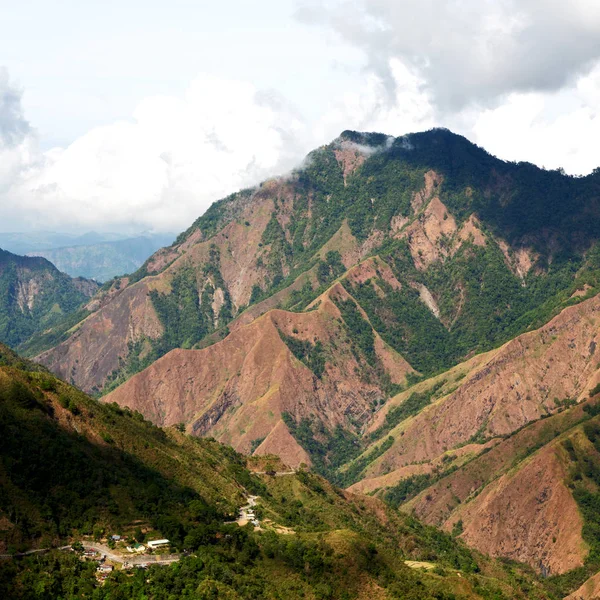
pixel 365 138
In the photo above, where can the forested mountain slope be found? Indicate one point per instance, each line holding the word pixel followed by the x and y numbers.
pixel 35 295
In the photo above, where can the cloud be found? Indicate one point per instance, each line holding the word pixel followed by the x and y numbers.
pixel 13 126
pixel 484 69
pixel 366 108
pixel 469 51
pixel 161 169
pixel 553 130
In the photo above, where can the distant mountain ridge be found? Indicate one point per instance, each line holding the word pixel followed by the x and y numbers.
pixel 104 260
pixel 24 242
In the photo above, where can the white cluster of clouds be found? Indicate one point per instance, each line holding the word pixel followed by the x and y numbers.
pixel 159 170
pixel 520 78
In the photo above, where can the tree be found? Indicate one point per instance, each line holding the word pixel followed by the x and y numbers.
pixel 139 535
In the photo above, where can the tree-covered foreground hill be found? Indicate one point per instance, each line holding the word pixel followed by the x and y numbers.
pixel 72 468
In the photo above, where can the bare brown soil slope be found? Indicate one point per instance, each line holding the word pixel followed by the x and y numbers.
pixel 515 501
pixel 590 590
pixel 499 392
pixel 236 390
pixel 99 343
pixel 236 259
pixel 125 315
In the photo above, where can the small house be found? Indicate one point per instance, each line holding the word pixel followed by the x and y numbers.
pixel 104 568
pixel 154 544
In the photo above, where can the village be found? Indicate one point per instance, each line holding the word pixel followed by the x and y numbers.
pixel 127 554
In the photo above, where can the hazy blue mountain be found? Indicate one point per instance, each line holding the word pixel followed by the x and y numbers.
pixel 26 242
pixel 104 259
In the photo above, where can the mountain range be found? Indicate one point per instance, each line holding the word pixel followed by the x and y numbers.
pixel 410 318
pixel 24 242
pixel 104 260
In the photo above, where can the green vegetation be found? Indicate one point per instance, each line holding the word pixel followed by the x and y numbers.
pixel 360 330
pixel 353 472
pixel 312 355
pixel 330 268
pixel 328 450
pixel 9 358
pixel 407 488
pixel 47 338
pixel 104 469
pixel 34 295
pixel 57 481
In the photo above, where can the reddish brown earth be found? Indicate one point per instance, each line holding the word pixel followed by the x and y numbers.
pixel 513 503
pixel 529 516
pixel 502 390
pixel 98 343
pixel 98 347
pixel 236 390
pixel 590 590
pixel 125 315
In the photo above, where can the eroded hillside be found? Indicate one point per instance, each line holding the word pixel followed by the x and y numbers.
pixel 444 215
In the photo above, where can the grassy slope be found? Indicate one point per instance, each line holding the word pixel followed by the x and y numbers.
pixel 71 466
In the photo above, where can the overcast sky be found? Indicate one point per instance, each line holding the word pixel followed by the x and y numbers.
pixel 135 115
